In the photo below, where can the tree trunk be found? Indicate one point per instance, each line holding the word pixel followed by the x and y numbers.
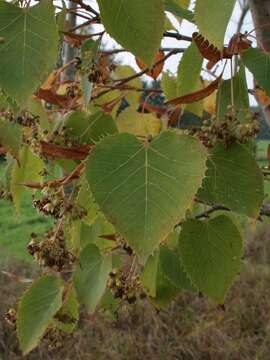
pixel 260 10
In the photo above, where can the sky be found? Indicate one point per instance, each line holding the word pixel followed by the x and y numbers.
pixel 186 28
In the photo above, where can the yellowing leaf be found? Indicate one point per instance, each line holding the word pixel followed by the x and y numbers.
pixel 138 124
pixel 26 170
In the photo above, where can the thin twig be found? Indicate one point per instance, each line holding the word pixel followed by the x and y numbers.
pixel 177 36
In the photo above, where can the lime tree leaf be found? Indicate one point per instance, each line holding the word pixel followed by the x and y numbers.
pixel 89 52
pixel 10 137
pixel 212 18
pixel 169 86
pixel 179 9
pixel 172 268
pixel 144 189
pixel 36 108
pixel 27 169
pixel 91 276
pixel 67 317
pixel 30 48
pixel 258 63
pixel 211 254
pixel 138 124
pixel 86 201
pixel 149 274
pixel 84 234
pixel 240 95
pixel 156 284
pixel 233 179
pixel 136 25
pixel 89 128
pixel 189 70
pixel 122 72
pixel 36 310
pixel 188 76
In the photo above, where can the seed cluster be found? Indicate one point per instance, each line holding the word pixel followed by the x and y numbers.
pixel 51 251
pixel 228 131
pixel 125 287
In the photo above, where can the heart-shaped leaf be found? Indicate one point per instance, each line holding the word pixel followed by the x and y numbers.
pixel 233 179
pixel 30 48
pixel 91 276
pixel 211 253
pixel 144 189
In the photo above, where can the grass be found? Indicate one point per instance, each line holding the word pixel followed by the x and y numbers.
pixel 15 230
pixel 190 328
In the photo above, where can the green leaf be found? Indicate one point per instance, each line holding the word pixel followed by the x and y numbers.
pixel 138 124
pixel 10 137
pixel 26 170
pixel 122 72
pixel 172 268
pixel 240 95
pixel 91 276
pixel 211 254
pixel 189 70
pixel 30 48
pixel 36 310
pixel 67 317
pixel 156 284
pixel 258 63
pixel 188 76
pixel 149 274
pixel 84 234
pixel 35 107
pixel 86 201
pixel 233 179
pixel 179 9
pixel 136 25
pixel 85 128
pixel 89 52
pixel 144 189
pixel 212 18
pixel 169 86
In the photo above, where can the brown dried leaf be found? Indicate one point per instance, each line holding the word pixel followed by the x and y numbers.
pixel 207 50
pixel 74 40
pixel 59 152
pixel 75 174
pixel 112 237
pixel 197 95
pixel 261 96
pixel 50 96
pixel 237 44
pixel 156 70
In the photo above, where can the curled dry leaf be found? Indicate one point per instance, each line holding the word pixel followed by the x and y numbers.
pixel 207 50
pixel 112 237
pixel 75 40
pixel 75 174
pixel 59 152
pixel 172 114
pixel 197 95
pixel 237 44
pixel 156 70
pixel 261 96
pixel 50 96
